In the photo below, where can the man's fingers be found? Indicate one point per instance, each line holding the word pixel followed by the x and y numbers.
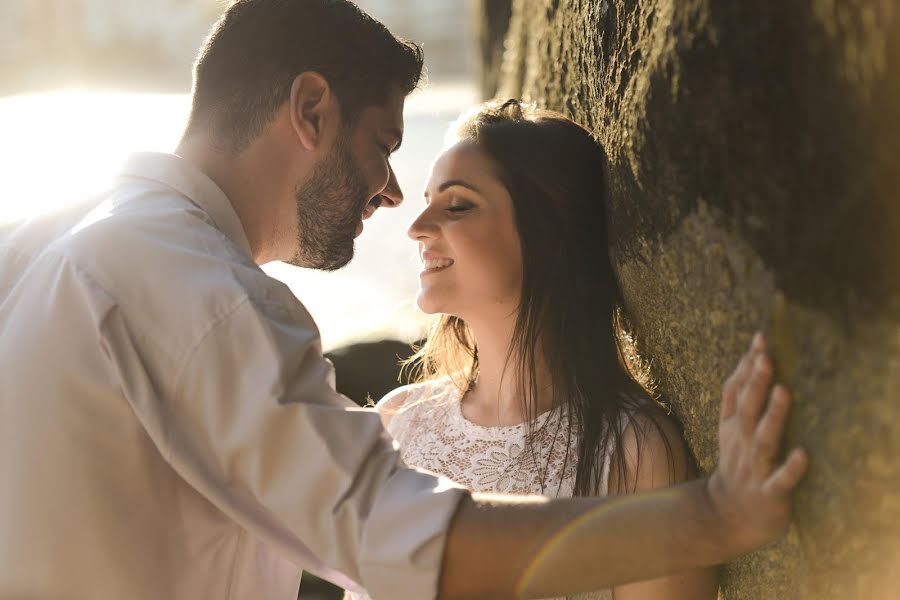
pixel 752 396
pixel 731 387
pixel 758 343
pixel 735 382
pixel 771 426
pixel 786 477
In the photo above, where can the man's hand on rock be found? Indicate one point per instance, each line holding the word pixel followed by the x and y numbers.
pixel 750 489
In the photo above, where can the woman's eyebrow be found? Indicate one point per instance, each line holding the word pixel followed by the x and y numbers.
pixel 453 182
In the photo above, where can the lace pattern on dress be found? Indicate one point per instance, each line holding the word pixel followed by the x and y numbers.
pixel 427 421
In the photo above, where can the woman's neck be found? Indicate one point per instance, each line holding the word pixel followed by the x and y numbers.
pixel 497 398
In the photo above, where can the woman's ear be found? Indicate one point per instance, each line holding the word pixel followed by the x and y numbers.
pixel 312 104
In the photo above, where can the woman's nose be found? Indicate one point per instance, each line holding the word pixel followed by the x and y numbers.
pixel 423 227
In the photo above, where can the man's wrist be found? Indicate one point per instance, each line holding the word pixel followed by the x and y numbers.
pixel 715 521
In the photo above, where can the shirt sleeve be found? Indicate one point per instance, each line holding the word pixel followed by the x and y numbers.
pixel 256 426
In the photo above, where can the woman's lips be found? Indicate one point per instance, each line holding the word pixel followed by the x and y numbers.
pixel 432 271
pixel 435 265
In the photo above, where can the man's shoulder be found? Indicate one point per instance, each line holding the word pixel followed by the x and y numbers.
pixel 138 232
pixel 147 217
pixel 162 260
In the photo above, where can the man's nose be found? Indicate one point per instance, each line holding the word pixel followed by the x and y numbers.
pixel 392 195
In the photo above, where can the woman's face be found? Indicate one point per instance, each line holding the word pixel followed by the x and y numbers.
pixel 468 243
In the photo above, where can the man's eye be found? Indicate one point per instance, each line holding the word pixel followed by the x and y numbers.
pixel 458 208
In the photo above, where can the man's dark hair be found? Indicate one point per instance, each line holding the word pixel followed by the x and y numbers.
pixel 247 65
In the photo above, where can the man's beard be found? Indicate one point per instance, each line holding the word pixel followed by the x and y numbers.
pixel 329 209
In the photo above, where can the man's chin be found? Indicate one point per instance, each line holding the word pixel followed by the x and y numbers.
pixel 332 262
pixel 336 265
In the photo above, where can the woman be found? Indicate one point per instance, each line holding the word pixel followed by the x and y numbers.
pixel 526 384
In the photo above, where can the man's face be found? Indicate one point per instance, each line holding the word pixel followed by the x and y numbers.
pixel 347 186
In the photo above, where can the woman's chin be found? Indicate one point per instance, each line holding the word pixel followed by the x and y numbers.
pixel 428 303
pixel 426 306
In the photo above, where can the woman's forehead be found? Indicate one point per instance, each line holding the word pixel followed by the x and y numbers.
pixel 463 156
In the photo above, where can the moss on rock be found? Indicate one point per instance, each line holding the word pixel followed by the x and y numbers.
pixel 753 180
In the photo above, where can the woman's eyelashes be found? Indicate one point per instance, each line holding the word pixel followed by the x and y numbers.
pixel 459 206
pixel 451 204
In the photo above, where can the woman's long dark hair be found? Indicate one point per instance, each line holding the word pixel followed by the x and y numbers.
pixel 569 317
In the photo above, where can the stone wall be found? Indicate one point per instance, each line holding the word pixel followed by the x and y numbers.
pixel 754 182
pixel 492 24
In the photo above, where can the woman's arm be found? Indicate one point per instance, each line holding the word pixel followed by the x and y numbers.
pixel 655 457
pixel 534 547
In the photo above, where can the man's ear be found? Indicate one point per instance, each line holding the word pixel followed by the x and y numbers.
pixel 312 105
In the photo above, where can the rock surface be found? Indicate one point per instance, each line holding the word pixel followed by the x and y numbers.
pixel 753 183
pixel 492 23
pixel 366 371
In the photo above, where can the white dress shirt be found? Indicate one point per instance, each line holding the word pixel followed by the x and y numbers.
pixel 169 428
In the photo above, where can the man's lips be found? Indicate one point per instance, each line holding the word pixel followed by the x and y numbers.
pixel 371 207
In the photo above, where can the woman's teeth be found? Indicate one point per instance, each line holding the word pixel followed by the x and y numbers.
pixel 437 263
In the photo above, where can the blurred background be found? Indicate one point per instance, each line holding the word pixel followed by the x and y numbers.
pixel 85 82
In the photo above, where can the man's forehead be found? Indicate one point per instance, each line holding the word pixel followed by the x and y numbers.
pixel 387 116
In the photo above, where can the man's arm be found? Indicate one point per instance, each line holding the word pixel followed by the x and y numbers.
pixel 500 547
pixel 656 457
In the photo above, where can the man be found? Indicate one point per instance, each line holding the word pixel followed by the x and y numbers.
pixel 170 429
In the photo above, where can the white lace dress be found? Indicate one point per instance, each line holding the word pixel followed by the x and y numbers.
pixel 427 421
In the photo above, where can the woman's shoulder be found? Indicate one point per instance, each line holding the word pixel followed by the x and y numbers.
pixel 403 395
pixel 410 397
pixel 643 417
pixel 652 450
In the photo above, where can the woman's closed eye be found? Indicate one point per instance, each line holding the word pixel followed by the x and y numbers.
pixel 459 206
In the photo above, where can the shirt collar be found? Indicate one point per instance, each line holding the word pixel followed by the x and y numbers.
pixel 189 181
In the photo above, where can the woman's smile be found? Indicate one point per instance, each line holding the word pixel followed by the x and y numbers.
pixel 468 225
pixel 434 264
